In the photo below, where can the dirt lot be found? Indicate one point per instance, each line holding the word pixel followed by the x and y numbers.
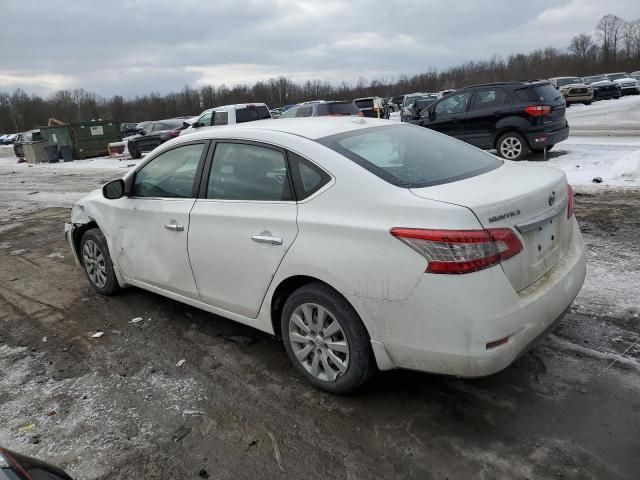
pixel 119 407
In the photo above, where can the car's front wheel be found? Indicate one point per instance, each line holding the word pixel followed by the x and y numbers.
pixel 97 262
pixel 512 146
pixel 325 339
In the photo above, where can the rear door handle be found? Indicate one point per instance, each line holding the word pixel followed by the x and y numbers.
pixel 267 239
pixel 175 227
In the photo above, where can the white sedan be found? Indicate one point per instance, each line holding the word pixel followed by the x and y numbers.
pixel 363 244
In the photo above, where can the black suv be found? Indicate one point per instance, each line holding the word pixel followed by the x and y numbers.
pixel 512 117
pixel 153 134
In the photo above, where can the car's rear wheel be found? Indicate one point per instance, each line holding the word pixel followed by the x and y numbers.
pixel 97 262
pixel 325 339
pixel 512 146
pixel 134 152
pixel 587 103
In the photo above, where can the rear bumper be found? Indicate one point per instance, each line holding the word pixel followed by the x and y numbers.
pixel 543 139
pixel 578 98
pixel 602 94
pixel 445 325
pixel 630 90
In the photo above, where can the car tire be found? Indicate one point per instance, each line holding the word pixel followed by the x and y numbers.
pixel 134 153
pixel 586 103
pixel 512 146
pixel 312 347
pixel 97 262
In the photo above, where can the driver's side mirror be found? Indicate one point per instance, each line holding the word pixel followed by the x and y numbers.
pixel 113 190
pixel 197 125
pixel 186 124
pixel 141 132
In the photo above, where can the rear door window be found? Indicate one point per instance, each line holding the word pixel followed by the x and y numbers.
pixel 252 113
pixel 411 157
pixel 489 98
pixel 248 172
pixel 546 93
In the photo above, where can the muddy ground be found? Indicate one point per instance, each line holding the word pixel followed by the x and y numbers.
pixel 119 407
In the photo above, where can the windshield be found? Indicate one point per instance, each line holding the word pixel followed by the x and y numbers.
pixel 616 76
pixel 568 81
pixel 411 157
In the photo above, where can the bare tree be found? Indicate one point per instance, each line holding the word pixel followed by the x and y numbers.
pixel 610 30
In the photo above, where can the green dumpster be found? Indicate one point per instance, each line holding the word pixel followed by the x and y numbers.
pixel 59 135
pixel 91 139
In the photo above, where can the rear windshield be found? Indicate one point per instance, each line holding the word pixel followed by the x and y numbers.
pixel 250 114
pixel 546 93
pixel 411 157
pixel 368 103
pixel 337 108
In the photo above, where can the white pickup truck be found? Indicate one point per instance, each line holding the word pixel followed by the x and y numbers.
pixel 229 115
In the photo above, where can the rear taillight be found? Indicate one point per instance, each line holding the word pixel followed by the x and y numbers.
pixel 538 110
pixel 571 201
pixel 175 133
pixel 460 251
pixel 360 114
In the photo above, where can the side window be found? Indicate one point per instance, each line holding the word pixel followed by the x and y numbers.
pixel 291 113
pixel 205 119
pixel 171 174
pixel 248 172
pixel 453 104
pixel 220 118
pixel 307 177
pixel 490 98
pixel 158 127
pixel 524 94
pixel 304 111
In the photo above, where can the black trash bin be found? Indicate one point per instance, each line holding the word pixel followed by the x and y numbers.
pixel 51 153
pixel 65 153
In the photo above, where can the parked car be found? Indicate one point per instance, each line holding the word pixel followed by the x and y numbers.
pixel 635 75
pixel 372 107
pixel 628 84
pixel 9 139
pixel 153 134
pixel 363 244
pixel 407 112
pixel 25 137
pixel 229 115
pixel 321 108
pixel 15 466
pixel 512 117
pixel 573 89
pixel 603 88
pixel 412 113
pixel 129 129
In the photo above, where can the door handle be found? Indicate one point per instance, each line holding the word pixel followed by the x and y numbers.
pixel 267 239
pixel 175 227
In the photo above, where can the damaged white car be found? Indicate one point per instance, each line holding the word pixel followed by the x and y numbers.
pixel 363 244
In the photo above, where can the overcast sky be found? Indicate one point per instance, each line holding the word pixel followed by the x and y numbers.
pixel 131 47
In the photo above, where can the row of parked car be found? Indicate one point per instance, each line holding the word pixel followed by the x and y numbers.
pixel 514 118
pixel 597 87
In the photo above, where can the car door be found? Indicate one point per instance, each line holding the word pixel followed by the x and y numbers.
pixel 242 225
pixel 488 106
pixel 151 224
pixel 447 115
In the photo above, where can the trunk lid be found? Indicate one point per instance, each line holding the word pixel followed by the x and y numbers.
pixel 532 201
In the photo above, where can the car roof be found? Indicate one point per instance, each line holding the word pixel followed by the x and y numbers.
pixel 235 106
pixel 562 78
pixel 514 83
pixel 308 127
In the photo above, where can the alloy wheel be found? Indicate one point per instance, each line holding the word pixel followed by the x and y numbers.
pixel 318 342
pixel 94 264
pixel 511 148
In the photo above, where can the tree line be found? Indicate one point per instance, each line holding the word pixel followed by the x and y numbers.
pixel 615 46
